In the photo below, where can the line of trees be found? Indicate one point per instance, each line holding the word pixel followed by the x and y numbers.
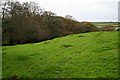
pixel 28 23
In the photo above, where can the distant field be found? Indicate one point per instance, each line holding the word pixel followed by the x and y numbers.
pixel 89 55
pixel 102 24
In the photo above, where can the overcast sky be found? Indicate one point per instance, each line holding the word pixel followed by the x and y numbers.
pixel 82 10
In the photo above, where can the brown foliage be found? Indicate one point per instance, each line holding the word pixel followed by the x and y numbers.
pixel 27 23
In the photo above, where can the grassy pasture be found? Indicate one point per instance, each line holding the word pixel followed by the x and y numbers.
pixel 102 24
pixel 88 55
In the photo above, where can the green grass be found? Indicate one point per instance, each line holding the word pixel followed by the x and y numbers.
pixel 89 55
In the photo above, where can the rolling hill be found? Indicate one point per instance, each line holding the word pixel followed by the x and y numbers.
pixel 86 55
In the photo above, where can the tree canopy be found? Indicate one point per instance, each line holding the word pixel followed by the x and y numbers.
pixel 27 22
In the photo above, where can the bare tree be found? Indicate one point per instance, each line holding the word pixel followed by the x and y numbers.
pixel 34 8
pixel 70 17
pixel 5 8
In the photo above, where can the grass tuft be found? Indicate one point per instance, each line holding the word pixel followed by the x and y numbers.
pixel 67 45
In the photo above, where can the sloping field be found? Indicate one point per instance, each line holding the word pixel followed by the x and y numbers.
pixel 88 55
